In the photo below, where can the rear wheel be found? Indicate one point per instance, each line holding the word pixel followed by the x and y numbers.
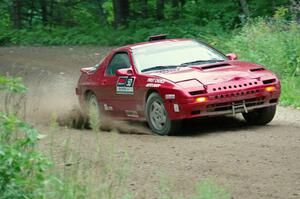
pixel 157 116
pixel 92 103
pixel 93 110
pixel 260 116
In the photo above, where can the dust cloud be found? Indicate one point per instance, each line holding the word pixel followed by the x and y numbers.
pixel 51 74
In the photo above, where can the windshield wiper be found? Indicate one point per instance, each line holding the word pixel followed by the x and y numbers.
pixel 200 62
pixel 181 65
pixel 159 68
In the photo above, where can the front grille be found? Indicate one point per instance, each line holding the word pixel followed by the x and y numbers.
pixel 228 105
pixel 235 86
pixel 236 94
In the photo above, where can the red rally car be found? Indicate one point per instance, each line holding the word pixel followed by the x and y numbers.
pixel 164 81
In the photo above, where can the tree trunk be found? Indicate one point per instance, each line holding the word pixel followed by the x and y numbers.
pixel 101 13
pixel 121 12
pixel 175 6
pixel 44 12
pixel 125 10
pixel 144 8
pixel 160 5
pixel 273 6
pixel 182 2
pixel 51 14
pixel 16 14
pixel 31 15
pixel 245 7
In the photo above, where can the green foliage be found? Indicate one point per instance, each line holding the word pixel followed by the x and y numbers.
pixel 14 85
pixel 290 87
pixel 276 45
pixel 22 167
pixel 137 31
pixel 207 189
pixel 91 22
pixel 280 13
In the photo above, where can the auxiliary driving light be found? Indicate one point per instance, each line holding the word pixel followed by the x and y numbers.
pixel 201 99
pixel 270 88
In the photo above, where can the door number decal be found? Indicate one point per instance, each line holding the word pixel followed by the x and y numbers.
pixel 125 85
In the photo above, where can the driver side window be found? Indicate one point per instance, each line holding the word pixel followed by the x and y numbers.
pixel 120 60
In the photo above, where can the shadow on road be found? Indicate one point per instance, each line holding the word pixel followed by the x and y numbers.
pixel 194 127
pixel 220 124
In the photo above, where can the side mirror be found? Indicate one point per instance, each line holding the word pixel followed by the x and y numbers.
pixel 124 72
pixel 232 56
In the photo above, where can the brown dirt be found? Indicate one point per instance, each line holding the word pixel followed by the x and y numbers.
pixel 251 162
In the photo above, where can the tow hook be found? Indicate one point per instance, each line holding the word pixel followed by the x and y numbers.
pixel 236 106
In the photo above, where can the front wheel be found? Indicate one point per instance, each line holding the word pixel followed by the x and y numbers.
pixel 260 116
pixel 157 116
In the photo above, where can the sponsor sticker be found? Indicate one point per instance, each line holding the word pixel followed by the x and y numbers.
pixel 155 80
pixel 125 85
pixel 152 85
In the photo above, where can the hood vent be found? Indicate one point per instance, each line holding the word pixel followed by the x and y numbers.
pixel 256 69
pixel 197 92
pixel 215 66
pixel 269 81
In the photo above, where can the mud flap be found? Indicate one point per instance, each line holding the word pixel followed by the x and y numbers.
pixel 239 105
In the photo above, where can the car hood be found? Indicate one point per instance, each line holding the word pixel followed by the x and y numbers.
pixel 216 73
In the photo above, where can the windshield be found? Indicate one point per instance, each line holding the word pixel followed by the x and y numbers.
pixel 157 56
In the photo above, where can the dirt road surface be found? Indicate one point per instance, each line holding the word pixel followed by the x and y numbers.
pixel 251 162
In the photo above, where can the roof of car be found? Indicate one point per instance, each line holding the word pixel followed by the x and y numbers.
pixel 147 43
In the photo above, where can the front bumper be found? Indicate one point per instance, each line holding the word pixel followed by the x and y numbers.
pixel 224 103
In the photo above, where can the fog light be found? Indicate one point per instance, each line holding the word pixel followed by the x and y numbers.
pixel 201 99
pixel 270 88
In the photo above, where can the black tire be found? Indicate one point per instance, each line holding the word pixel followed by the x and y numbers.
pixel 92 103
pixel 93 108
pixel 97 116
pixel 168 127
pixel 260 116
